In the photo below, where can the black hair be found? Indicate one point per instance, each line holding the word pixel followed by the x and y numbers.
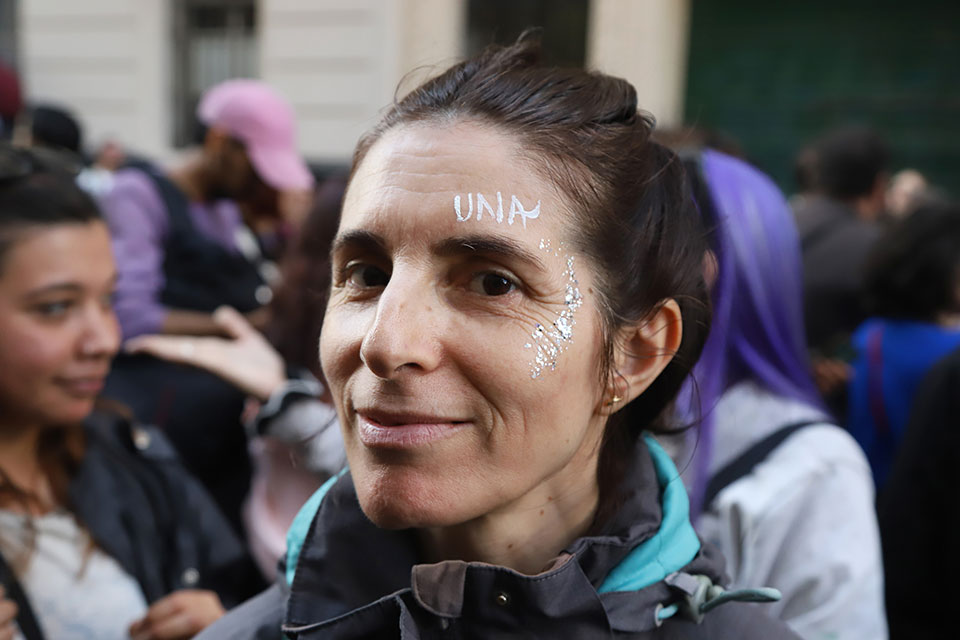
pixel 55 127
pixel 37 190
pixel 913 271
pixel 848 161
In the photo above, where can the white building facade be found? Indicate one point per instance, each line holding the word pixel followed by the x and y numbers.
pixel 131 69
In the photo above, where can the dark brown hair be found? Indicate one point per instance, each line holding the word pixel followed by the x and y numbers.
pixel 298 309
pixel 35 192
pixel 634 215
pixel 913 270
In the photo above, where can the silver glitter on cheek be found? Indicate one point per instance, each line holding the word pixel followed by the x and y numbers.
pixel 551 342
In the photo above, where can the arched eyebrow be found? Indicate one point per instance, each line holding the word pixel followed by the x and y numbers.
pixel 498 247
pixel 358 240
pixel 68 286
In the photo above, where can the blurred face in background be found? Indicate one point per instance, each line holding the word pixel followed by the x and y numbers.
pixel 453 404
pixel 58 332
pixel 233 176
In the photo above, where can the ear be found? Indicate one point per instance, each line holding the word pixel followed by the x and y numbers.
pixel 641 353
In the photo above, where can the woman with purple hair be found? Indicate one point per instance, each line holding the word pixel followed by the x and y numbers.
pixel 783 492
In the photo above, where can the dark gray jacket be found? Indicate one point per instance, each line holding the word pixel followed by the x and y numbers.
pixel 645 575
pixel 142 507
pixel 835 244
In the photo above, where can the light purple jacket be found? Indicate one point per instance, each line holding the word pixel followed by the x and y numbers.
pixel 139 224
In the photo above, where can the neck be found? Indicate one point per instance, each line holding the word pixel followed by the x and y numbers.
pixel 868 207
pixel 527 534
pixel 191 177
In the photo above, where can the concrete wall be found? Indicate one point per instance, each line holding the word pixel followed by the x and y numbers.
pixel 432 37
pixel 644 41
pixel 340 61
pixel 107 59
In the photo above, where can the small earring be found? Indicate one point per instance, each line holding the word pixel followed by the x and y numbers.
pixel 614 400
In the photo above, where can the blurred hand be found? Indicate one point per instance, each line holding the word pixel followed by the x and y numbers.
pixel 8 616
pixel 259 318
pixel 182 614
pixel 245 359
pixel 830 374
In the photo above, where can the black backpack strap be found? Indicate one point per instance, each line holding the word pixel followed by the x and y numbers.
pixel 174 200
pixel 743 464
pixel 25 618
pixel 878 408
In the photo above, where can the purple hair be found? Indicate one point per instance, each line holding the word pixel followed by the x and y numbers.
pixel 757 332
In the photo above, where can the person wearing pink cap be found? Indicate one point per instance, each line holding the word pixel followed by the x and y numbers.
pixel 247 157
pixel 193 238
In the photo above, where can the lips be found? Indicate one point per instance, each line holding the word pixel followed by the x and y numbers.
pixel 85 386
pixel 379 429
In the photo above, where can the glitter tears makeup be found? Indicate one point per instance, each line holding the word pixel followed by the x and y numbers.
pixel 516 209
pixel 551 341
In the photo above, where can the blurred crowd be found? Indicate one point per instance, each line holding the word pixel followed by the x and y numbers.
pixel 820 458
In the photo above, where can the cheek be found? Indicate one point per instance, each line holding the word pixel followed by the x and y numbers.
pixel 32 353
pixel 29 360
pixel 532 402
pixel 339 346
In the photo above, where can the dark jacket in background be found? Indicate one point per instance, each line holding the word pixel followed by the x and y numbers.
pixel 835 243
pixel 142 507
pixel 354 580
pixel 198 411
pixel 919 512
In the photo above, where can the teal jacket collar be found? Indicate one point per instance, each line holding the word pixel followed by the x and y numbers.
pixel 338 563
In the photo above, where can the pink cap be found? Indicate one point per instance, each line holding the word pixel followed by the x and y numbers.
pixel 256 115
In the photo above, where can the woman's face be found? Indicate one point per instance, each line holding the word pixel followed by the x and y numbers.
pixel 57 328
pixel 461 343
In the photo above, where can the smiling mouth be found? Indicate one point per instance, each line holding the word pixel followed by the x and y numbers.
pixel 404 431
pixel 84 387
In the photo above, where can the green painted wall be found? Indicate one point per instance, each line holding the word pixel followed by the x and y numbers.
pixel 775 74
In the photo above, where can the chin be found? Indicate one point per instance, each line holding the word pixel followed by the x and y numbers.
pixel 403 499
pixel 72 413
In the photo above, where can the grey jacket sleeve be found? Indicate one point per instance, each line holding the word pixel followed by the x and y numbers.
pixel 311 427
pixel 296 416
pixel 256 619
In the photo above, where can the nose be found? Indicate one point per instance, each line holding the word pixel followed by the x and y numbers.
pixel 404 334
pixel 100 335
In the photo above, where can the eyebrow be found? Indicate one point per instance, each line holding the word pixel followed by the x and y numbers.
pixel 492 246
pixel 64 287
pixel 481 245
pixel 359 239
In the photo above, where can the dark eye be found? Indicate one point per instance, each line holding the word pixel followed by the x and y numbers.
pixel 367 275
pixel 492 284
pixel 54 309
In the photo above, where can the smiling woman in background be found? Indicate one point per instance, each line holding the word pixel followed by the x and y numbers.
pixel 99 523
pixel 517 296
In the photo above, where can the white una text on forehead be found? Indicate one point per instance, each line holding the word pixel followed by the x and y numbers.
pixel 516 209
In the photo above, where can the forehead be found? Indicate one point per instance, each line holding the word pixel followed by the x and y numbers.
pixel 42 254
pixel 414 176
